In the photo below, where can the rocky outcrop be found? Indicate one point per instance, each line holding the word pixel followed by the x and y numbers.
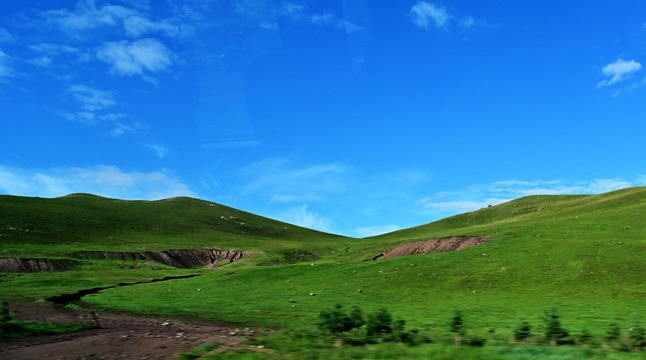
pixel 447 244
pixel 186 259
pixel 17 265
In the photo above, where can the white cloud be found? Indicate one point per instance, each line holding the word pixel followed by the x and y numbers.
pixel 5 67
pixel 87 16
pixel 479 196
pixel 92 99
pixel 159 150
pixel 134 58
pixel 137 26
pixel 93 105
pixel 425 14
pixel 301 216
pixel 53 49
pixel 368 231
pixel 5 36
pixel 468 22
pixel 619 70
pixel 277 180
pixel 102 180
pixel 42 61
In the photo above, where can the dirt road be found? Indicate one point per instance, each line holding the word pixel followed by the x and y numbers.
pixel 119 336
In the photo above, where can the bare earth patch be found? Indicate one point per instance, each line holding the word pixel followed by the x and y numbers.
pixel 447 244
pixel 119 336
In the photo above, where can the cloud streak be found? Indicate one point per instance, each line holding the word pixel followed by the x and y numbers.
pixel 618 71
pixel 140 57
pixel 86 16
pixel 275 179
pixel 367 231
pixel 301 216
pixel 479 196
pixel 425 15
pixel 102 180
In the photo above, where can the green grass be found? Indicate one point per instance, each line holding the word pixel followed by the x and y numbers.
pixel 14 329
pixel 581 253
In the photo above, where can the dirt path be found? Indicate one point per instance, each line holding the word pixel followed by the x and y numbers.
pixel 119 336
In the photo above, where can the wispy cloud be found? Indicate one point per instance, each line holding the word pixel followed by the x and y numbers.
pixel 279 181
pixel 5 36
pixel 95 109
pixel 301 216
pixel 425 15
pixel 159 150
pixel 87 16
pixel 92 99
pixel 103 180
pixel 42 61
pixel 368 231
pixel 52 49
pixel 140 57
pixel 6 70
pixel 618 71
pixel 479 196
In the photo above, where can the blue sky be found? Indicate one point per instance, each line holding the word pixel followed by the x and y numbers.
pixel 353 117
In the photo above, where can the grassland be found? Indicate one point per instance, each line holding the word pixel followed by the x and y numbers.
pixel 581 253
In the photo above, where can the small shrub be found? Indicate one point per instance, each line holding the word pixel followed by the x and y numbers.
pixel 475 341
pixel 73 307
pixel 457 323
pixel 554 331
pixel 522 331
pixel 637 334
pixel 585 337
pixel 356 317
pixel 379 323
pixel 336 320
pixel 613 333
pixel 4 312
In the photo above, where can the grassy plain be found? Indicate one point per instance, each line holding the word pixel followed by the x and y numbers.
pixel 581 253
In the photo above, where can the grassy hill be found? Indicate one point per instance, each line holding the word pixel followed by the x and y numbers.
pixel 581 253
pixel 77 222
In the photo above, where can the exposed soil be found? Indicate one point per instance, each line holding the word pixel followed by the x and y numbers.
pixel 118 336
pixel 447 244
pixel 185 259
pixel 17 265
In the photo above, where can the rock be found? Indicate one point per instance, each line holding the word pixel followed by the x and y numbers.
pixel 292 300
pixel 359 290
pixel 312 294
pixel 503 268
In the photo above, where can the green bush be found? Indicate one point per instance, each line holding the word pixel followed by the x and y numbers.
pixel 336 320
pixel 554 331
pixel 475 341
pixel 379 323
pixel 637 334
pixel 613 333
pixel 457 323
pixel 522 331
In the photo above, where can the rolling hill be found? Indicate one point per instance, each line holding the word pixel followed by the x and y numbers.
pixel 581 253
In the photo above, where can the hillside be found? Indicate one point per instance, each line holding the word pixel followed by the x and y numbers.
pixel 83 222
pixel 581 253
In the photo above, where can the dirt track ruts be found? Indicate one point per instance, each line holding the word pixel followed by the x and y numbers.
pixel 119 336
